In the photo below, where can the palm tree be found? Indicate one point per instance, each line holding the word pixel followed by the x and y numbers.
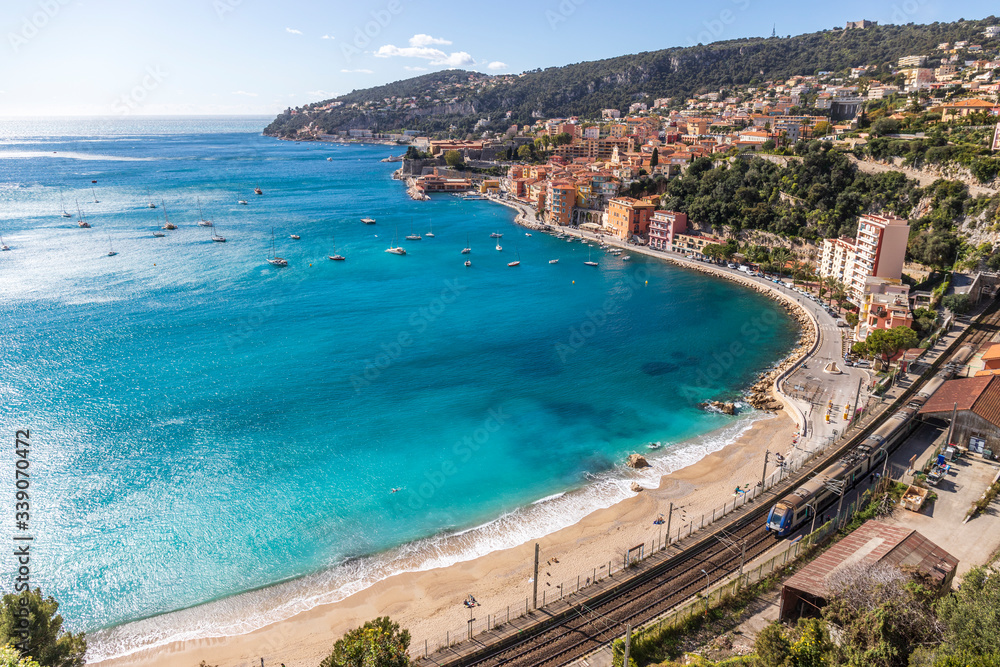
pixel 780 257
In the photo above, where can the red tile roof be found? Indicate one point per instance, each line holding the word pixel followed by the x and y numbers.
pixel 980 394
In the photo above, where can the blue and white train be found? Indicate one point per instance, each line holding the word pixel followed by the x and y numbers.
pixel 799 506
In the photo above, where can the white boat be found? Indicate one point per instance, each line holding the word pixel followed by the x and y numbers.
pixel 294 236
pixel 62 205
pixel 202 222
pixel 82 222
pixel 273 259
pixel 242 201
pixel 553 261
pixel 258 191
pixel 395 249
pixel 413 237
pixel 167 224
pixel 3 246
pixel 430 234
pixel 329 159
pixel 368 221
pixel 218 238
pixel 496 235
pixel 95 195
pixel 337 257
pixel 517 261
pixel 626 258
pixel 468 248
pixel 151 204
pixel 499 247
pixel 527 234
pixel 111 248
pixel 158 235
pixel 589 262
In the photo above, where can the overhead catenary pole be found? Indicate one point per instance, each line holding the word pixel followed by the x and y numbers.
pixel 763 475
pixel 628 642
pixel 951 426
pixel 670 515
pixel 857 396
pixel 534 595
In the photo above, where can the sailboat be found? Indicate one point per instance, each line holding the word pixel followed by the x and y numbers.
pixel 202 222
pixel 62 205
pixel 496 235
pixel 158 234
pixel 467 249
pixel 412 236
pixel 151 204
pixel 468 262
pixel 589 262
pixel 517 261
pixel 95 195
pixel 168 225
pixel 3 246
pixel 499 247
pixel 258 191
pixel 430 234
pixel 111 248
pixel 395 249
pixel 336 256
pixel 218 238
pixel 82 222
pixel 274 259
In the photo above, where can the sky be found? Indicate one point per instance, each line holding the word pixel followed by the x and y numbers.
pixel 199 57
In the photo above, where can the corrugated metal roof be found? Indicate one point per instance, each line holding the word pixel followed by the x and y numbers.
pixel 874 542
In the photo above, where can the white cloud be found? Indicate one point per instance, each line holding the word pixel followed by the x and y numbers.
pixel 496 65
pixel 319 93
pixel 293 31
pixel 243 92
pixel 426 40
pixel 328 37
pixel 411 68
pixel 435 56
pixel 357 71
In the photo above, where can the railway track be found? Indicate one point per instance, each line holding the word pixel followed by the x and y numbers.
pixel 597 621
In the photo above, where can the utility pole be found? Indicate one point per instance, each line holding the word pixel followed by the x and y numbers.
pixel 670 515
pixel 534 595
pixel 763 475
pixel 951 426
pixel 628 642
pixel 857 397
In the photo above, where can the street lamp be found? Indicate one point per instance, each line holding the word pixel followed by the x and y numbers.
pixel 708 582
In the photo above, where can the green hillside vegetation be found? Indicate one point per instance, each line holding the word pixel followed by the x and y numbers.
pixel 583 89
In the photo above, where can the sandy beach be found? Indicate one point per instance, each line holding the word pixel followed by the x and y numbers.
pixel 428 603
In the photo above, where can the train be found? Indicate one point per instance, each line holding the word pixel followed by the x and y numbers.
pixel 800 505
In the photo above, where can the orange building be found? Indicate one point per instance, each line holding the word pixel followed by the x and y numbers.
pixel 561 200
pixel 629 217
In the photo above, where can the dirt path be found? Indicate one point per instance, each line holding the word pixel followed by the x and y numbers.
pixel 920 176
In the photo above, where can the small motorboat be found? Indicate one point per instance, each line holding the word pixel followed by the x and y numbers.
pixel 654 445
pixel 294 236
pixel 626 258
pixel 553 261
pixel 258 191
pixel 468 262
pixel 527 234
pixel 368 221
pixel 329 159
pixel 242 202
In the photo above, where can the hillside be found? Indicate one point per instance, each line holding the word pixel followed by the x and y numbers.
pixel 456 97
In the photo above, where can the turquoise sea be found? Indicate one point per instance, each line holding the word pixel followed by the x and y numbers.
pixel 209 428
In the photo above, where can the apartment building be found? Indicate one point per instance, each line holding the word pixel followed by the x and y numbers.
pixel 877 251
pixel 664 226
pixel 629 217
pixel 885 305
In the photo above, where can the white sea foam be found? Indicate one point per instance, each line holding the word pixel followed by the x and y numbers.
pixel 69 155
pixel 253 610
